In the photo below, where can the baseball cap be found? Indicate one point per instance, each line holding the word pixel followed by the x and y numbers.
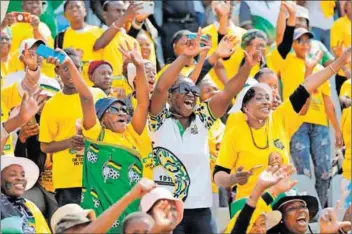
pixel 30 42
pixel 69 216
pixel 160 193
pixel 300 32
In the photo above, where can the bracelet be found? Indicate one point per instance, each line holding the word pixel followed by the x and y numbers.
pixel 114 25
pixel 332 69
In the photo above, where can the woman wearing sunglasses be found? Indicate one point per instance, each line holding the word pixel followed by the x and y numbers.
pixel 179 129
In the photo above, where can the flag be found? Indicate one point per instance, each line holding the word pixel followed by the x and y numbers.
pixel 109 172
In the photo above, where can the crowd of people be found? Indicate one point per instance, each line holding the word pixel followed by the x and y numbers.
pixel 147 123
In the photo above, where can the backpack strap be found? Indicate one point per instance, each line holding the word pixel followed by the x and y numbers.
pixel 59 40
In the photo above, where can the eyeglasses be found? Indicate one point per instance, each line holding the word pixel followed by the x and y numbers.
pixel 117 110
pixel 303 42
pixel 5 38
pixel 184 88
pixel 258 46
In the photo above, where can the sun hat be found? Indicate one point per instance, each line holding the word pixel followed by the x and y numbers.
pixel 300 32
pixel 292 196
pixel 30 168
pixel 49 86
pixel 160 193
pixel 30 42
pixel 272 217
pixel 70 215
pixel 251 84
pixel 103 104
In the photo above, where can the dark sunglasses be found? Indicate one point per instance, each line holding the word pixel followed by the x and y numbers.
pixel 185 88
pixel 117 110
pixel 5 38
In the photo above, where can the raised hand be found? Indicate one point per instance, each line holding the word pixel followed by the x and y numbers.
pixel 329 223
pixel 132 11
pixel 240 177
pixel 253 58
pixel 29 57
pixel 311 63
pixel 222 9
pixel 226 46
pixel 346 55
pixel 30 105
pixel 290 7
pixel 207 43
pixel 132 54
pixel 193 47
pixel 338 49
pixel 55 61
pixel 285 184
pixel 35 21
pixel 163 215
pixel 143 187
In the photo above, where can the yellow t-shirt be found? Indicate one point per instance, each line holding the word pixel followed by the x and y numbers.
pixel 41 225
pixel 57 123
pixel 346 132
pixel 238 145
pixel 346 89
pixel 232 65
pixel 83 41
pixel 10 98
pixel 292 71
pixel 215 134
pixel 7 67
pixel 114 56
pixel 341 31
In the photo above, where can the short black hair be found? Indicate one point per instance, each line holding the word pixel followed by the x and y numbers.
pixel 73 54
pixel 106 5
pixel 134 216
pixel 67 1
pixel 247 97
pixel 262 72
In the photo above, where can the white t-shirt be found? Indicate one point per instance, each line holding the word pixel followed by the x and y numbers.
pixel 316 16
pixel 181 161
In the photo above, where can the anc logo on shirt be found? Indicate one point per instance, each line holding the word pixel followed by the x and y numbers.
pixel 95 198
pixel 134 173
pixel 111 171
pixel 168 170
pixel 278 144
pixel 92 154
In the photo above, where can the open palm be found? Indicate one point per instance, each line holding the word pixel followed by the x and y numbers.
pixel 29 57
pixel 162 214
pixel 132 54
pixel 226 46
pixel 193 47
pixel 274 175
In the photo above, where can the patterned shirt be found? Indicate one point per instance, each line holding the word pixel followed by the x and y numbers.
pixel 180 159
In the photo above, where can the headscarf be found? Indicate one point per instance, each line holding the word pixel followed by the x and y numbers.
pixel 250 35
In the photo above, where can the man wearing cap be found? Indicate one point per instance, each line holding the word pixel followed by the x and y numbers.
pixel 19 215
pixel 100 73
pixel 32 45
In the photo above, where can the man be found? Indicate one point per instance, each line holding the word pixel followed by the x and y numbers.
pixel 61 140
pixel 79 36
pixel 32 45
pixel 99 73
pixel 7 65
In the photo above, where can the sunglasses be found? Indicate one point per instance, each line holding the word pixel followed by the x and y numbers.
pixel 5 38
pixel 184 88
pixel 117 110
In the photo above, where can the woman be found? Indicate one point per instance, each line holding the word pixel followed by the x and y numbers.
pixel 262 130
pixel 17 176
pixel 181 158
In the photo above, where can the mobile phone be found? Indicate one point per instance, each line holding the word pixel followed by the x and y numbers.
pixel 47 52
pixel 147 7
pixel 22 17
pixel 205 37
